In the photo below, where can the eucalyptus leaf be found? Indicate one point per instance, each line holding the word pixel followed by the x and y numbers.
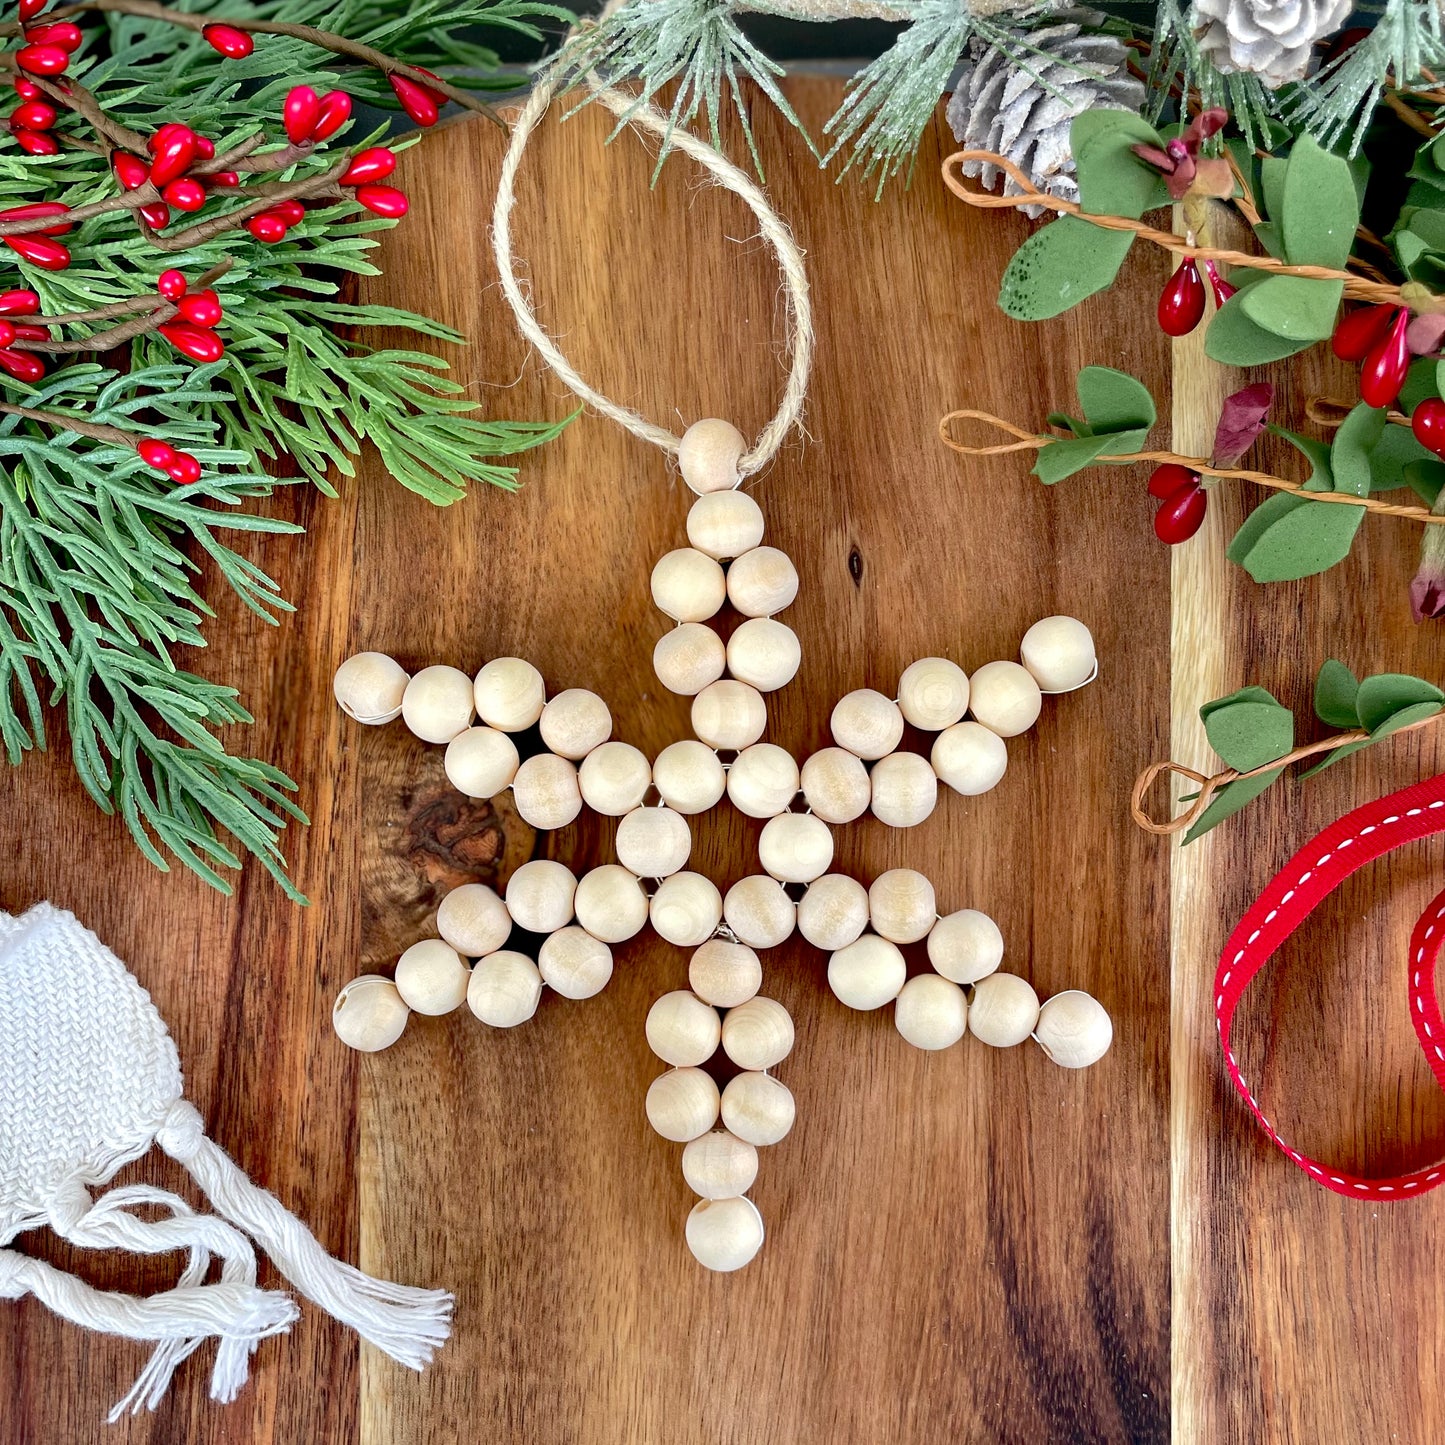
pixel 1245 694
pixel 1426 480
pixel 1112 179
pixel 1114 401
pixel 1294 307
pixel 1288 537
pixel 1060 265
pixel 1337 755
pixel 1229 800
pixel 1336 688
pixel 1249 734
pixel 1233 339
pixel 1320 209
pixel 1382 696
pixel 1358 436
pixel 1405 717
pixel 1317 452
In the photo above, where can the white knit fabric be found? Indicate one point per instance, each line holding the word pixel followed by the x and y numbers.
pixel 89 1080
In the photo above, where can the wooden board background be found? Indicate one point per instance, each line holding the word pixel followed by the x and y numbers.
pixel 968 1246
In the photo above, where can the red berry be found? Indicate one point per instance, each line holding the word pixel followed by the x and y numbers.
pixel 268 227
pixel 1427 421
pixel 22 365
pixel 415 100
pixel 40 208
pixel 7 332
pixel 36 142
pixel 193 341
pixel 184 468
pixel 174 154
pixel 157 216
pixel 1181 303
pixel 171 284
pixel 200 308
pixel 1360 331
pixel 19 303
pixel 335 112
pixel 1181 514
pixel 373 164
pixel 383 200
pixel 1385 368
pixel 29 9
pixel 40 251
pixel 131 171
pixel 62 33
pixel 27 89
pixel 228 41
pixel 1221 288
pixel 300 113
pixel 185 194
pixel 33 115
pixel 292 212
pixel 156 453
pixel 32 333
pixel 43 59
pixel 1167 478
pixel 436 93
pixel 221 178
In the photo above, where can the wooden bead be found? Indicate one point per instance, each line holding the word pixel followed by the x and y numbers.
pixel 473 920
pixel 833 912
pixel 708 455
pixel 901 905
pixel 724 524
pixel 546 791
pixel 868 973
pixel 1004 1010
pixel 795 847
pixel 765 653
pixel 369 1013
pixel 759 911
pixel 682 1103
pixel 719 1165
pixel 763 780
pixel 688 585
pixel 905 789
pixel 574 722
pixel 369 687
pixel 1059 653
pixel 758 1108
pixel 762 582
pixel 725 974
pixel 724 1234
pixel 653 842
pixel 757 1034
pixel 682 1030
pixel 573 963
pixel 933 693
pixel 614 778
pixel 835 785
pixel 509 694
pixel 610 903
pixel 481 762
pixel 931 1012
pixel 969 758
pixel 504 989
pixel 437 704
pixel 1074 1029
pixel 1004 697
pixel 431 977
pixel 965 946
pixel 688 658
pixel 686 909
pixel 689 776
pixel 540 894
pixel 867 724
pixel 729 715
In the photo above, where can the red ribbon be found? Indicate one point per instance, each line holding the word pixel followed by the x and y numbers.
pixel 1296 890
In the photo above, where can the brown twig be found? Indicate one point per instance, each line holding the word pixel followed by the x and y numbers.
pixel 64 422
pixel 312 188
pixel 1407 113
pixel 1330 412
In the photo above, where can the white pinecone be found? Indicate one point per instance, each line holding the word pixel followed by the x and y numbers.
pixel 1001 107
pixel 1271 38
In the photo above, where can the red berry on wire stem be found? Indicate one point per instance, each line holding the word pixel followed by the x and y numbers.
pixel 41 208
pixel 43 59
pixel 291 211
pixel 185 194
pixel 27 89
pixel 1360 331
pixel 31 333
pixel 196 342
pixel 131 171
pixel 157 215
pixel 334 113
pixel 415 100
pixel 375 163
pixel 19 303
pixel 171 284
pixel 184 468
pixel 1168 477
pixel 1181 515
pixel 174 153
pixel 62 33
pixel 1427 421
pixel 383 200
pixel 36 142
pixel 227 40
pixel 268 227
pixel 1181 303
pixel 200 308
pixel 221 178
pixel 29 9
pixel 435 91
pixel 40 251
pixel 300 113
pixel 22 365
pixel 33 115
pixel 7 332
pixel 1387 364
pixel 156 453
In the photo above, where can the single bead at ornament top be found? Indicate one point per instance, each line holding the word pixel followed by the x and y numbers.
pixel 965 946
pixel 1004 1010
pixel 835 785
pixel 653 842
pixel 369 1013
pixel 758 1108
pixel 682 1103
pixel 729 715
pixel 573 963
pixel 369 688
pixel 725 974
pixel 474 920
pixel 481 762
pixel 868 973
pixel 610 903
pixel 1074 1029
pixel 724 1234
pixel 574 722
pixel 509 694
pixel 614 777
pixel 540 894
pixel 796 847
pixel 762 582
pixel 757 1034
pixel 759 911
pixel 725 524
pixel 685 909
pixel 708 455
pixel 682 1030
pixel 933 693
pixel 970 758
pixel 763 780
pixel 905 789
pixel 432 978
pixel 833 912
pixel 901 905
pixel 1058 653
pixel 1004 697
pixel 765 653
pixel 688 585
pixel 689 776
pixel 719 1165
pixel 546 792
pixel 688 658
pixel 867 724
pixel 931 1012
pixel 437 703
pixel 504 989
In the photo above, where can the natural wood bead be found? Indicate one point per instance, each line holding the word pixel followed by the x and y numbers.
pixel 1074 1029
pixel 574 722
pixel 509 694
pixel 682 1103
pixel 437 704
pixel 868 973
pixel 835 785
pixel 795 847
pixel 719 1165
pixel 432 978
pixel 504 989
pixel 546 791
pixel 724 1234
pixel 724 524
pixel 1004 697
pixel 931 1012
pixel 689 776
pixel 765 653
pixel 688 585
pixel 1004 1010
pixel 540 894
pixel 481 762
pixel 685 909
pixel 969 758
pixel 653 842
pixel 725 974
pixel 729 715
pixel 473 920
pixel 905 789
pixel 610 903
pixel 833 912
pixel 369 1013
pixel 688 658
pixel 762 582
pixel 867 724
pixel 762 780
pixel 708 455
pixel 573 963
pixel 1059 653
pixel 933 693
pixel 758 1108
pixel 682 1030
pixel 369 687
pixel 965 946
pixel 901 905
pixel 759 911
pixel 614 778
pixel 757 1034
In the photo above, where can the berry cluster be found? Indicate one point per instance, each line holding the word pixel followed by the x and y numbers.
pixel 1183 501
pixel 1374 337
